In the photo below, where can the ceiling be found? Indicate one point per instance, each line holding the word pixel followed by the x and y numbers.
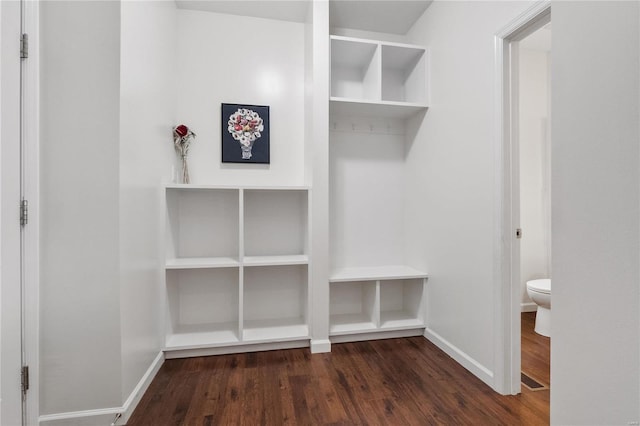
pixel 385 16
pixel 284 10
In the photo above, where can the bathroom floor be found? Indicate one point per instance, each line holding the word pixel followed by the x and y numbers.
pixel 535 353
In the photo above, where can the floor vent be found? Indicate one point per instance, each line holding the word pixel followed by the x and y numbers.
pixel 531 383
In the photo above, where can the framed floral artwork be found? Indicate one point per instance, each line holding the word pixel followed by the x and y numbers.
pixel 245 133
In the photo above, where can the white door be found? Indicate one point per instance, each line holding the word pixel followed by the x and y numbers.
pixel 11 260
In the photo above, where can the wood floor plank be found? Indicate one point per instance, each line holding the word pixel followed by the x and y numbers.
pixel 386 382
pixel 535 350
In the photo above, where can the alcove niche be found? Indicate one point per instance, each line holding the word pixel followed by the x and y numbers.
pixel 239 258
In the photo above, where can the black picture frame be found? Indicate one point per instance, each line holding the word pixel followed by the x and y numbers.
pixel 245 133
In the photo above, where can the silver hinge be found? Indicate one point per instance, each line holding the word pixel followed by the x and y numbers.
pixel 24 46
pixel 24 378
pixel 24 212
pixel 116 418
pixel 518 233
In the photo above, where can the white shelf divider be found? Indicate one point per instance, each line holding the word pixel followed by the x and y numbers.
pixel 375 273
pixel 367 108
pixel 350 323
pixel 202 262
pixel 281 329
pixel 297 259
pixel 203 335
pixel 399 319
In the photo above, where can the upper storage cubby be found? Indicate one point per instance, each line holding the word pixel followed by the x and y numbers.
pixel 404 74
pixel 377 78
pixel 355 69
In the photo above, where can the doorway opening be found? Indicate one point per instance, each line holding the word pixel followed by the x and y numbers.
pixel 511 283
pixel 534 165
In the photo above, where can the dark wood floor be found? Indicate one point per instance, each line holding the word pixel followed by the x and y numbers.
pixel 535 351
pixel 386 382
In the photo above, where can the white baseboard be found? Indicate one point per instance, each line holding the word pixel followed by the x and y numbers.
pixel 102 417
pixel 319 346
pixel 136 395
pixel 237 349
pixel 107 416
pixel 528 307
pixel 378 335
pixel 478 370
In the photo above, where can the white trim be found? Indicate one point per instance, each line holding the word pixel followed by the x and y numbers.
pixel 223 350
pixel 136 395
pixel 108 414
pixel 377 335
pixel 528 307
pixel 507 299
pixel 319 346
pixel 462 358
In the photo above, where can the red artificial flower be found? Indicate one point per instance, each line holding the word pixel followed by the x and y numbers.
pixel 181 130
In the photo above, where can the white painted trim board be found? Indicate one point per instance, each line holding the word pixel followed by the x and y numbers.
pixel 506 298
pixel 460 357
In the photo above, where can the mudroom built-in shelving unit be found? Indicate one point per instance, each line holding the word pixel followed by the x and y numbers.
pixel 376 86
pixel 237 267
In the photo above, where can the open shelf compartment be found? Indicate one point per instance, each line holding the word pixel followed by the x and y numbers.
pixel 275 226
pixel 404 75
pixel 353 307
pixel 202 308
pixel 275 303
pixel 401 303
pixel 202 227
pixel 355 68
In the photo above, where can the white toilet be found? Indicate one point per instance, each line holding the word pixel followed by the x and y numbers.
pixel 540 292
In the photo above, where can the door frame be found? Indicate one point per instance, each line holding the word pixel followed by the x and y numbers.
pixel 507 197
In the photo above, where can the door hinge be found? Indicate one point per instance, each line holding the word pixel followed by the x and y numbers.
pixel 24 378
pixel 24 212
pixel 24 46
pixel 518 233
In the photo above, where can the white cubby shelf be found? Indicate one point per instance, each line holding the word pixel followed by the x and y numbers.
pixel 376 299
pixel 236 265
pixel 377 78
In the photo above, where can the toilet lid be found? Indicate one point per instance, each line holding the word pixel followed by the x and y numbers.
pixel 541 286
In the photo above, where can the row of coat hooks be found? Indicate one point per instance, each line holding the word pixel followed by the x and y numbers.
pixel 369 125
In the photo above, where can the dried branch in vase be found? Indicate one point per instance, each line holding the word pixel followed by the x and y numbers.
pixel 182 137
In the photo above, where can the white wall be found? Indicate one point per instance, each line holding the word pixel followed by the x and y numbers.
pixel 147 114
pixel 534 143
pixel 595 218
pixel 245 60
pixel 450 203
pixel 79 160
pixel 366 176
